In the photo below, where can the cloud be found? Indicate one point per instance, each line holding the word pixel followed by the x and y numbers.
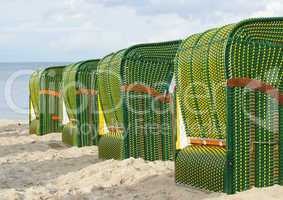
pixel 80 29
pixel 272 8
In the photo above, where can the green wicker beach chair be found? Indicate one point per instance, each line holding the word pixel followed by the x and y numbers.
pixel 147 71
pixel 229 107
pixel 50 100
pixel 80 98
pixel 133 86
pixel 112 144
pixel 34 90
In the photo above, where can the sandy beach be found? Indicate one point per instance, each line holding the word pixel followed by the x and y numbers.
pixel 33 167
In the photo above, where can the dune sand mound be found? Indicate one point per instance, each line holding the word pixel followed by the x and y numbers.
pixel 33 167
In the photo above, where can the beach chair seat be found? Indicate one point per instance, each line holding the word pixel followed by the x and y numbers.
pixel 112 146
pixel 201 166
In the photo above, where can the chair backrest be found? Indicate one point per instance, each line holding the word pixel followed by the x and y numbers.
pixel 34 92
pixel 34 111
pixel 200 81
pixel 69 91
pixel 109 81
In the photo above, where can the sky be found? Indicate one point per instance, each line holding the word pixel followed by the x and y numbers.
pixel 71 30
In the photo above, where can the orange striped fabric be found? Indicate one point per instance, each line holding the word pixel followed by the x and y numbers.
pixel 256 85
pixel 146 90
pixel 55 118
pixel 84 91
pixel 50 92
pixel 116 129
pixel 207 141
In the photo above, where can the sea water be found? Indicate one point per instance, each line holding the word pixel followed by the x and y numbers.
pixel 14 88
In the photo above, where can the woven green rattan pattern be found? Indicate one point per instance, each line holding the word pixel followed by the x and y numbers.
pixel 34 101
pixel 103 88
pixel 202 167
pixel 81 107
pixel 200 75
pixel 70 134
pixel 149 124
pixel 109 80
pixel 112 146
pixel 250 49
pixel 51 79
pixel 255 50
pixel 281 138
pixel 87 105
